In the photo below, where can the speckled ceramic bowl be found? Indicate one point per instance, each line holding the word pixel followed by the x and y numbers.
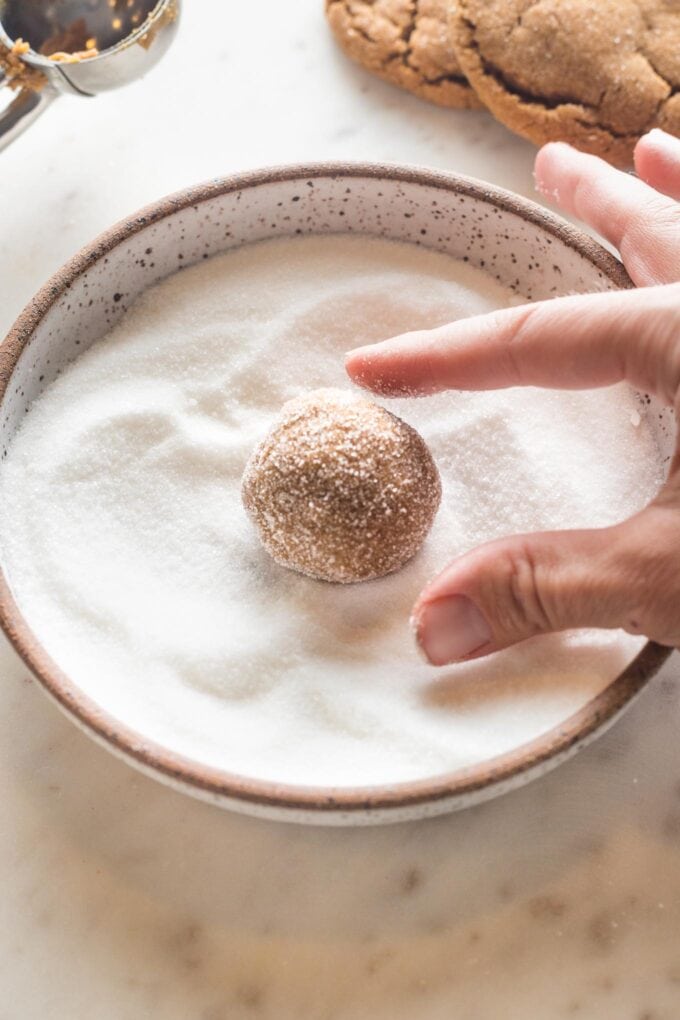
pixel 515 240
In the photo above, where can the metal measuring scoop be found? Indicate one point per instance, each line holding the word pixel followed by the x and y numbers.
pixel 127 37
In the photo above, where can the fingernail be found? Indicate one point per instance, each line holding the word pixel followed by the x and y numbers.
pixel 664 141
pixel 450 629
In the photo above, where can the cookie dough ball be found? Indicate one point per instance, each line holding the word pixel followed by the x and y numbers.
pixel 341 489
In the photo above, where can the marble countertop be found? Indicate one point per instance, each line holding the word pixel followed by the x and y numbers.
pixel 122 900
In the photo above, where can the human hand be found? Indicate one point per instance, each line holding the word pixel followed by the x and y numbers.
pixel 624 576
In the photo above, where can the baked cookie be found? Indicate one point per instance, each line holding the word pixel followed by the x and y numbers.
pixel 405 42
pixel 596 73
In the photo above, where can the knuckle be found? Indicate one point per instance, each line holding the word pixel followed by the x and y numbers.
pixel 519 600
pixel 671 341
pixel 515 328
pixel 653 229
pixel 652 572
pixel 659 211
pixel 650 353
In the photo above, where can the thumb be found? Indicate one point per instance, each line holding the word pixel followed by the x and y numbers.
pixel 626 576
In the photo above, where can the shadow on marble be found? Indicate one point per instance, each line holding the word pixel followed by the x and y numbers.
pixel 212 863
pixel 246 917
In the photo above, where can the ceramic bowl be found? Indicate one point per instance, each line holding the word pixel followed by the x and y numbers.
pixel 515 240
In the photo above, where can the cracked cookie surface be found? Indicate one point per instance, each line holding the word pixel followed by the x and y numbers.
pixel 598 75
pixel 405 42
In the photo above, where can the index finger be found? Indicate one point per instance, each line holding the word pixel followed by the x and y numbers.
pixel 575 342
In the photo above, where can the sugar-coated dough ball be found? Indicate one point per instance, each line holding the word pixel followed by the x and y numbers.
pixel 341 489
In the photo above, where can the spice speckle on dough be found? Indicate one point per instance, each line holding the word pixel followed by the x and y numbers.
pixel 341 489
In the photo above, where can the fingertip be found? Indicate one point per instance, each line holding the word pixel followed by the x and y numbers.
pixel 542 164
pixel 550 167
pixel 552 150
pixel 560 167
pixel 657 161
pixel 355 362
pixel 360 365
pixel 417 631
pixel 549 153
pixel 391 368
pixel 658 139
pixel 450 629
pixel 644 152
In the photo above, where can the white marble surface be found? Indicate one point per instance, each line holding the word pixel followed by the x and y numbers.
pixel 122 900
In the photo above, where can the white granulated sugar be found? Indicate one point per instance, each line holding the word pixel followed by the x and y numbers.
pixel 130 553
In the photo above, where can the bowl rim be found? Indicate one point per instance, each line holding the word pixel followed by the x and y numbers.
pixel 503 770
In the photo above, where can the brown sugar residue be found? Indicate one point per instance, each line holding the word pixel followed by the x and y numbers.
pixel 170 14
pixel 68 47
pixel 71 44
pixel 18 74
pixel 73 58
